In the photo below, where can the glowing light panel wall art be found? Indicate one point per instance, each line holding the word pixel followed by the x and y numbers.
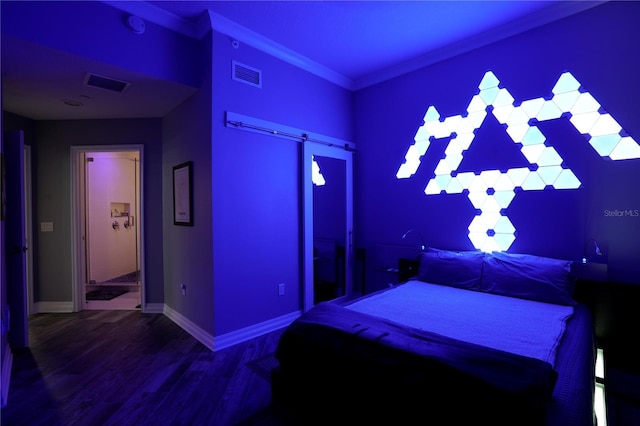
pixel 492 191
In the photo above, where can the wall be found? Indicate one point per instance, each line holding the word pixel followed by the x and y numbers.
pixel 79 27
pixel 52 193
pixel 594 47
pixel 187 251
pixel 256 204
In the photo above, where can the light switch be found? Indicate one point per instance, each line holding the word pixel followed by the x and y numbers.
pixel 46 226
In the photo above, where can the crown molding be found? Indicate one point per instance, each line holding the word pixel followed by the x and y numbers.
pixel 213 21
pixel 251 38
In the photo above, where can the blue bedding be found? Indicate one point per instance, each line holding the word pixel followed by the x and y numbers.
pixel 515 325
pixel 337 363
pixel 398 369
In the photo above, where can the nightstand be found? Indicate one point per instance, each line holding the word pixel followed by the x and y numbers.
pixel 617 320
pixel 391 265
pixel 622 369
pixel 407 268
pixel 592 289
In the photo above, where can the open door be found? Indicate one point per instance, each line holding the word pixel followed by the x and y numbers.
pixel 15 239
pixel 107 232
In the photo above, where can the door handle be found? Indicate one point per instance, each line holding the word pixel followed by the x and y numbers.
pixel 17 250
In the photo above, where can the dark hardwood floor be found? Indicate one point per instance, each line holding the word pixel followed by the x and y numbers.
pixel 129 368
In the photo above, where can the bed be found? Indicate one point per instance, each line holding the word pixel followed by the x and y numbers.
pixel 473 338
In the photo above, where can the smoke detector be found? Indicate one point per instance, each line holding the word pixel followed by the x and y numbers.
pixel 135 24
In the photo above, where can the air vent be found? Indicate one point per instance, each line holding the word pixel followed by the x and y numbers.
pixel 246 74
pixel 105 83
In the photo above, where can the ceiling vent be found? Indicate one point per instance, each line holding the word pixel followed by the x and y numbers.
pixel 105 83
pixel 246 74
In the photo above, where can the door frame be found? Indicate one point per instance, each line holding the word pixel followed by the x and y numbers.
pixel 310 149
pixel 78 217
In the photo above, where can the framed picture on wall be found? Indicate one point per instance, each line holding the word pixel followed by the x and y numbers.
pixel 183 194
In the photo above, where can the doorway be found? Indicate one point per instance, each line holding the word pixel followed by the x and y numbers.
pixel 108 240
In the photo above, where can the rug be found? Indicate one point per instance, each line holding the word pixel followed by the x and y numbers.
pixel 262 366
pixel 104 294
pixel 131 277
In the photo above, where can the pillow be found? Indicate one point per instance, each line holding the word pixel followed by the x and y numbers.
pixel 526 276
pixel 462 269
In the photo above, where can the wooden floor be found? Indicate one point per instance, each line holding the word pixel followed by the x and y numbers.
pixel 129 368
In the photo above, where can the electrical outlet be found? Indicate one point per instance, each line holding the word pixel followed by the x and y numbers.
pixel 183 287
pixel 281 289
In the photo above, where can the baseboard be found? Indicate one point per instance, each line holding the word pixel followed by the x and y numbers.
pixel 188 326
pixel 7 361
pixel 153 308
pixel 53 307
pixel 213 343
pixel 238 336
pixel 233 338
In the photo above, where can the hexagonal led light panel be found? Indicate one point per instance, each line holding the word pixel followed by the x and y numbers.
pixel 492 191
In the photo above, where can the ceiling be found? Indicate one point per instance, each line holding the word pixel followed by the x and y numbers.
pixel 356 42
pixel 359 38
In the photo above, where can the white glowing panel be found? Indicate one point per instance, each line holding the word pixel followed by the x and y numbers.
pixel 492 191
